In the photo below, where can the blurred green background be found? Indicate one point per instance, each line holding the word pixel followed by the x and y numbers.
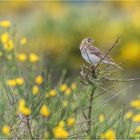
pixel 55 29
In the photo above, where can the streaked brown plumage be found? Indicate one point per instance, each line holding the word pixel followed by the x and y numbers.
pixel 92 54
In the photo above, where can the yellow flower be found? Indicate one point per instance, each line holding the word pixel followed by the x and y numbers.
pixel 67 91
pixel 20 81
pixel 128 115
pixel 23 41
pixel 5 37
pixel 70 121
pixel 9 45
pixel 108 135
pixel 73 86
pixel 5 23
pixel 59 131
pixel 131 51
pixel 26 111
pixel 47 95
pixel 35 90
pixel 44 111
pixel 22 57
pixel 39 80
pixel 11 83
pixel 135 103
pixel 101 118
pixel 63 87
pixel 6 130
pixel 65 103
pixel 33 58
pixel 137 130
pixel 61 123
pixel 136 118
pixel 23 109
pixel 53 93
pixel 21 102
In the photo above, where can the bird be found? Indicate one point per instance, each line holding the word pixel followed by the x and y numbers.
pixel 94 55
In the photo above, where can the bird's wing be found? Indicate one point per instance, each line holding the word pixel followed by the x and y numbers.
pixel 98 52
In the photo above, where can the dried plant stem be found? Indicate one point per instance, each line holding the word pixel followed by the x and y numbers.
pixel 90 109
pixel 29 129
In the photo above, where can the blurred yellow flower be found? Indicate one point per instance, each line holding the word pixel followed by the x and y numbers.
pixel 61 123
pixel 5 37
pixel 59 132
pixel 70 121
pixel 135 103
pixel 65 103
pixel 35 89
pixel 128 115
pixel 44 111
pixel 23 109
pixel 108 135
pixel 136 118
pixel 5 23
pixel 63 87
pixel 26 111
pixel 73 86
pixel 47 95
pixel 52 93
pixel 22 57
pixel 39 80
pixel 23 41
pixel 67 91
pixel 131 51
pixel 9 45
pixel 19 81
pixel 6 130
pixel 137 130
pixel 33 58
pixel 11 83
pixel 101 118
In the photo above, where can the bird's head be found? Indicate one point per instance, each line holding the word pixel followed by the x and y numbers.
pixel 86 42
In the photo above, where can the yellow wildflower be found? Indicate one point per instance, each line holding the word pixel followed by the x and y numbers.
pixel 101 118
pixel 108 135
pixel 47 95
pixel 9 45
pixel 20 81
pixel 23 41
pixel 63 87
pixel 70 121
pixel 39 80
pixel 33 58
pixel 22 57
pixel 65 103
pixel 23 109
pixel 6 130
pixel 131 51
pixel 53 93
pixel 26 111
pixel 11 83
pixel 5 23
pixel 73 86
pixel 35 90
pixel 61 123
pixel 44 111
pixel 21 102
pixel 5 37
pixel 128 115
pixel 136 118
pixel 137 130
pixel 67 91
pixel 59 131
pixel 135 103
